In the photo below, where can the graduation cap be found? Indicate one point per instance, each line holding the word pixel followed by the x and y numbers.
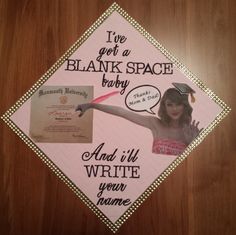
pixel 185 89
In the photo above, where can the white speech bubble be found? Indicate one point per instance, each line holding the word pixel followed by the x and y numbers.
pixel 143 98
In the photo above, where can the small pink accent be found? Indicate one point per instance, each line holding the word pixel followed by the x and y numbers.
pixel 104 97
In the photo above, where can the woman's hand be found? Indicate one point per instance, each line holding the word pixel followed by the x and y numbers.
pixel 83 108
pixel 191 131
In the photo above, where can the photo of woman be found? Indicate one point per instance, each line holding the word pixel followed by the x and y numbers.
pixel 173 130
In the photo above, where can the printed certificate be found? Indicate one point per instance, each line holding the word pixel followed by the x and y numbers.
pixel 53 116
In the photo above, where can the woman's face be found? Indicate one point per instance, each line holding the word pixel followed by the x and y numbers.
pixel 173 110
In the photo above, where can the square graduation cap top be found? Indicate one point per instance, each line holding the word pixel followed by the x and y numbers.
pixel 184 88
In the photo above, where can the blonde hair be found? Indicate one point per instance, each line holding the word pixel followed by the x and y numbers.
pixel 174 96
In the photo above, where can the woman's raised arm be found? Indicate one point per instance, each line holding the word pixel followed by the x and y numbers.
pixel 145 121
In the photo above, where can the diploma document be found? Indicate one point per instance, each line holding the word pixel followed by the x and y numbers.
pixel 53 118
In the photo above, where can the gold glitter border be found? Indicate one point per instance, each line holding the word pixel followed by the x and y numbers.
pixel 115 226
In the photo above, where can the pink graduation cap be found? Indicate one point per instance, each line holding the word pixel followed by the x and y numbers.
pixel 185 89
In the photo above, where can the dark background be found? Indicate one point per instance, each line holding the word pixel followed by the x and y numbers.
pixel 199 197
